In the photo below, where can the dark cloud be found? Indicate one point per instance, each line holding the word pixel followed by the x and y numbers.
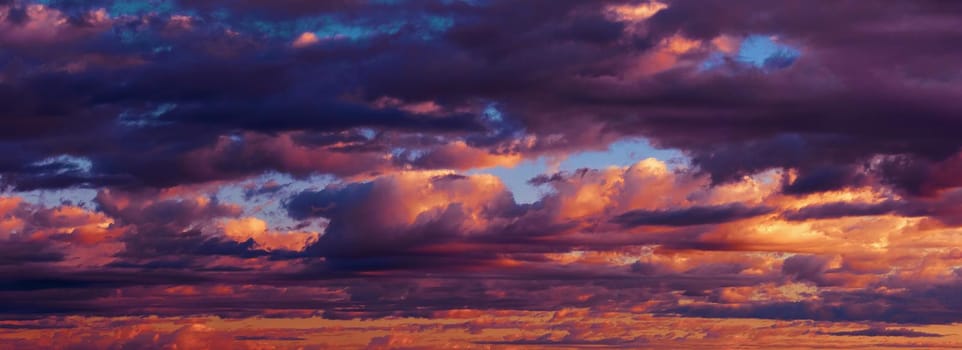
pixel 21 252
pixel 17 15
pixel 943 208
pixel 843 209
pixel 825 112
pixel 267 337
pixel 571 341
pixel 809 268
pixel 885 332
pixel 821 180
pixel 699 215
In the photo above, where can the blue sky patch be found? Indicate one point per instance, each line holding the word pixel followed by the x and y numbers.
pixel 763 52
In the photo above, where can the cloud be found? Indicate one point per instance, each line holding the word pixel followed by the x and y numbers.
pixel 252 228
pixel 412 210
pixel 546 340
pixel 690 216
pixel 534 66
pixel 885 332
pixel 261 161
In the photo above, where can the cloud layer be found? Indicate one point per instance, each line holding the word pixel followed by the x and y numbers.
pixel 173 169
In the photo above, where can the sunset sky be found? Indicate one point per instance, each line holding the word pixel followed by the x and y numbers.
pixel 480 174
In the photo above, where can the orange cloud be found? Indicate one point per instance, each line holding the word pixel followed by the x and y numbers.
pixel 242 229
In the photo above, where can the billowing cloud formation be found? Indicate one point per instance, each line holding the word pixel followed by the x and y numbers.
pixel 185 82
pixel 183 170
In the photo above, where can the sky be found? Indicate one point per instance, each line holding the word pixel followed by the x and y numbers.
pixel 480 174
